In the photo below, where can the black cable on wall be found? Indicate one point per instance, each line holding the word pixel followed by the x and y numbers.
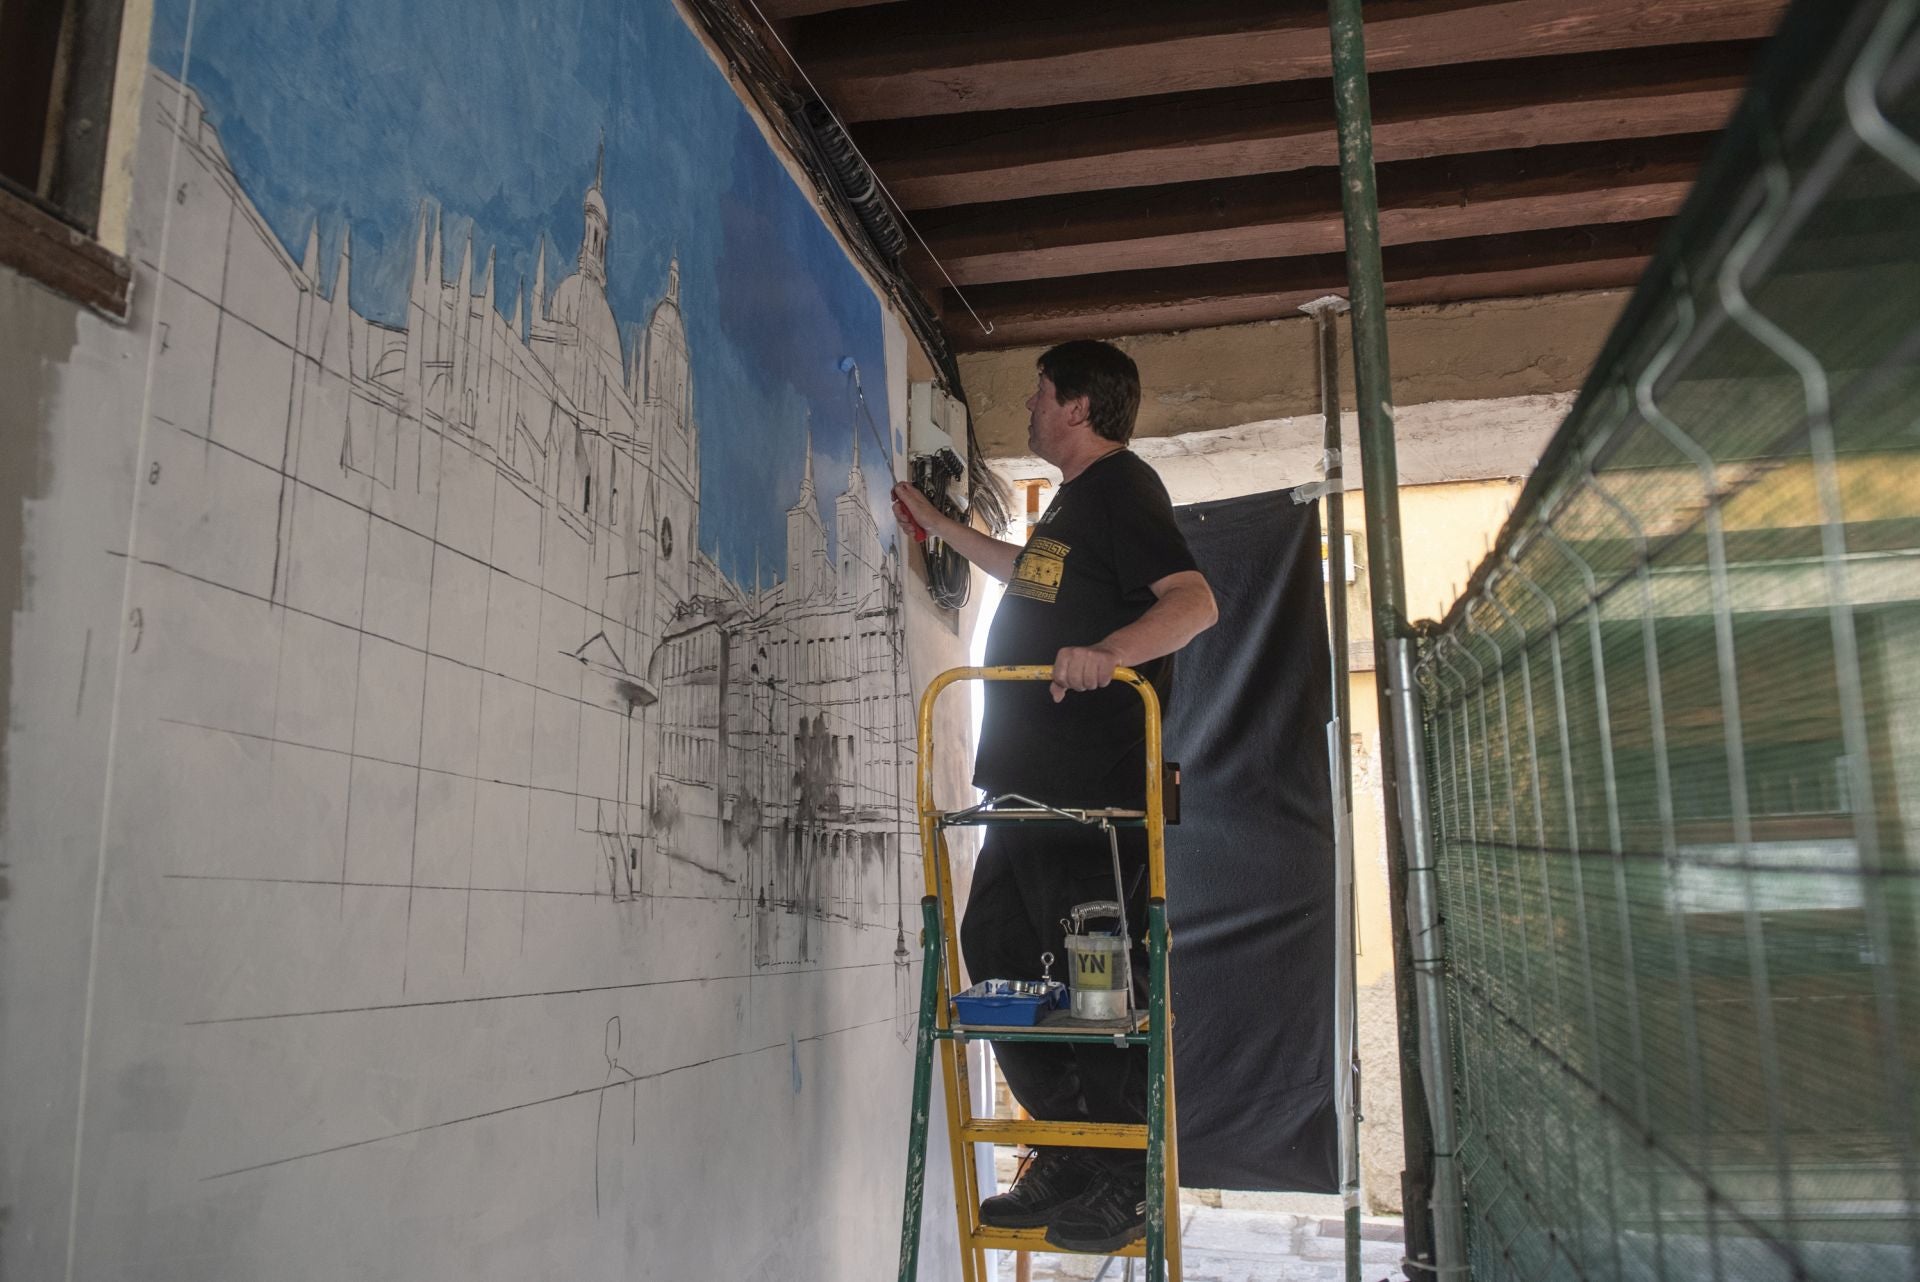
pixel 859 209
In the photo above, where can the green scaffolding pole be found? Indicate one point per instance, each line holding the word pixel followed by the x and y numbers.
pixel 1431 1184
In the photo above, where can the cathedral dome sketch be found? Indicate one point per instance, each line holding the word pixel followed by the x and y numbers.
pixel 580 301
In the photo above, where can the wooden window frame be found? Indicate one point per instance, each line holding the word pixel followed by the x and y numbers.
pixel 51 230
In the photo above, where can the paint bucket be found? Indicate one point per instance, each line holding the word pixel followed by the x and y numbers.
pixel 1097 962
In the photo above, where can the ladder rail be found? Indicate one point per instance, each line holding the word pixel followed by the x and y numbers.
pixel 941 978
pixel 953 1057
pixel 922 1091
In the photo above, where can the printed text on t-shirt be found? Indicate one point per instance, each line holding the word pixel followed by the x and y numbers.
pixel 1038 572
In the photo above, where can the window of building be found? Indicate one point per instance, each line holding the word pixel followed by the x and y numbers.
pixel 57 65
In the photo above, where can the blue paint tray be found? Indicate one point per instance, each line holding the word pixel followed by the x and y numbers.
pixel 1009 1003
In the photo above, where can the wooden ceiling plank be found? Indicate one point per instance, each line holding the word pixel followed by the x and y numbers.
pixel 897 63
pixel 1618 273
pixel 1466 132
pixel 1264 275
pixel 1016 155
pixel 1236 293
pixel 777 10
pixel 1276 216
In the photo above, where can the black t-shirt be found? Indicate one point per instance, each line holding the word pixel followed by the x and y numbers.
pixel 1087 571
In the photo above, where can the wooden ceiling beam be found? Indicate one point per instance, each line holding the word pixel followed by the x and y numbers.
pixel 935 57
pixel 776 10
pixel 1223 133
pixel 1297 215
pixel 1164 299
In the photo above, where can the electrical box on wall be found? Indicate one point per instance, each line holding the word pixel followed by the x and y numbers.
pixel 937 467
pixel 935 422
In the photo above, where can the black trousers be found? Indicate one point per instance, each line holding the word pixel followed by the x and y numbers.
pixel 1026 882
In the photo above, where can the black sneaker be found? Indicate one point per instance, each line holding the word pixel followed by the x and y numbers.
pixel 1110 1214
pixel 1048 1179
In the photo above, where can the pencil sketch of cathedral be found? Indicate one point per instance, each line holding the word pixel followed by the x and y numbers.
pixel 487 527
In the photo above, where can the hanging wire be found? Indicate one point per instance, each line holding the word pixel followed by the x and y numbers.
pixel 899 211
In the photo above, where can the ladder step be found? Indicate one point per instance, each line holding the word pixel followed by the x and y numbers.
pixel 1059 1134
pixel 1042 1033
pixel 1057 1027
pixel 1036 1240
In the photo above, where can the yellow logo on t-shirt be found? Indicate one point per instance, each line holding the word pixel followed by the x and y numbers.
pixel 1038 572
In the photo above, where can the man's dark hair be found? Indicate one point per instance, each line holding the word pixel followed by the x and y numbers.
pixel 1103 374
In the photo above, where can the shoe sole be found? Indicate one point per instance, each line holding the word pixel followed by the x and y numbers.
pixel 1014 1221
pixel 1098 1246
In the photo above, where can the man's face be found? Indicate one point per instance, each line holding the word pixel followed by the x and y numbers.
pixel 1050 424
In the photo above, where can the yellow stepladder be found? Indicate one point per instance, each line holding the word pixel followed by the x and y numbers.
pixel 940 981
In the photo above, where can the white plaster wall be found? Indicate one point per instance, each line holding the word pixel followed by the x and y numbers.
pixel 275 999
pixel 70 489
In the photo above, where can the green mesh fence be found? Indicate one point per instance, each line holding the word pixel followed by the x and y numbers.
pixel 1673 733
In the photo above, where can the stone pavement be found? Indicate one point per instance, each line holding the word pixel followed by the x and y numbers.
pixel 1226 1244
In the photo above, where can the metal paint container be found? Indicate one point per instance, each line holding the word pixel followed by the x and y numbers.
pixel 1097 962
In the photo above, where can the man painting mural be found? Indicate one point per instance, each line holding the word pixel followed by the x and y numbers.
pixel 1106 581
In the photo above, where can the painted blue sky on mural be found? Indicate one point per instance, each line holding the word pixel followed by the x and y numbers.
pixel 355 111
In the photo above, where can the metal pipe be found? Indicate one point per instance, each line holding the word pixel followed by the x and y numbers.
pixel 1325 312
pixel 1429 964
pixel 1408 838
pixel 1346 1058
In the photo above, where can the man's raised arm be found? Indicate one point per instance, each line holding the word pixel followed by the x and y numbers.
pixel 990 554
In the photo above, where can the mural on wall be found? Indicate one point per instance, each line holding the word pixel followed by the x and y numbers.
pixel 517 717
pixel 533 482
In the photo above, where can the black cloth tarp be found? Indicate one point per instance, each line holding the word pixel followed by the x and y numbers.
pixel 1250 866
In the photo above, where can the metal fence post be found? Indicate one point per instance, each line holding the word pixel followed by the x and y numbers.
pixel 1428 963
